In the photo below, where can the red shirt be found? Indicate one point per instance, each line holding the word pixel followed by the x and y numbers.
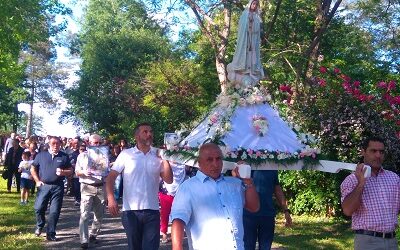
pixel 380 201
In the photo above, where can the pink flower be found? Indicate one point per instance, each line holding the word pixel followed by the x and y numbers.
pixel 346 85
pixel 285 88
pixel 356 92
pixel 344 77
pixel 258 153
pixel 356 84
pixel 382 85
pixel 391 85
pixel 396 100
pixel 250 151
pixel 322 83
pixel 336 70
pixel 323 70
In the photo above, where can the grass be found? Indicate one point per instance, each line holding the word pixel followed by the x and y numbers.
pixel 313 233
pixel 17 223
pixel 310 232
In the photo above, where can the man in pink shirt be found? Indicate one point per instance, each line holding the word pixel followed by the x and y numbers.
pixel 372 202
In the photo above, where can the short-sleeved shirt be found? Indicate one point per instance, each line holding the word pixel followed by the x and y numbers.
pixel 380 201
pixel 25 167
pixel 265 182
pixel 46 164
pixel 141 178
pixel 212 211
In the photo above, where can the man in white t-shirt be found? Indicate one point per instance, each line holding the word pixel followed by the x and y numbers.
pixel 141 168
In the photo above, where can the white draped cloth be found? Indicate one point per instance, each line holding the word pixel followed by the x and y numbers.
pixel 279 137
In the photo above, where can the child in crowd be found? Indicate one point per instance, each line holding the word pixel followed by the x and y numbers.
pixel 26 178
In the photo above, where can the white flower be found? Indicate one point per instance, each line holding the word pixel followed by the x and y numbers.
pixel 244 156
pixel 225 150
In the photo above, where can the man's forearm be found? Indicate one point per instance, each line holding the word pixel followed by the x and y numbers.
pixel 110 181
pixel 167 174
pixel 177 234
pixel 352 201
pixel 34 175
pixel 252 201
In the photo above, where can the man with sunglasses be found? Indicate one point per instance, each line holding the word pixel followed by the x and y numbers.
pixel 92 196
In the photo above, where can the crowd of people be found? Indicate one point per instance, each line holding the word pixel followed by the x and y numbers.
pixel 213 210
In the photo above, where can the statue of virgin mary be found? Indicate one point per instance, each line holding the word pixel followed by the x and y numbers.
pixel 245 68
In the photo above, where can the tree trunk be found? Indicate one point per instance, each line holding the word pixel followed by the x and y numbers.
pixel 217 34
pixel 222 74
pixel 29 121
pixel 326 16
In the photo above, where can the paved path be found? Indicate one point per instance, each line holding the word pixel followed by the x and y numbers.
pixel 112 234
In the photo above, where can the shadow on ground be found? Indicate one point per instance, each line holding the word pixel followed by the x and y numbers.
pixel 112 235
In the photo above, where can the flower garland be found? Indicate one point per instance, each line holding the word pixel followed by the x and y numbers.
pixel 309 155
pixel 225 105
pixel 260 124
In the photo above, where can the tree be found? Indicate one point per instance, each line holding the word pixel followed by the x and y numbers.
pixel 117 40
pixel 44 78
pixel 22 23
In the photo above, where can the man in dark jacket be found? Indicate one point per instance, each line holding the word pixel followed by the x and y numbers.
pixel 13 158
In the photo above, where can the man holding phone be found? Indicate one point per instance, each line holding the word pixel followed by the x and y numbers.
pixel 373 202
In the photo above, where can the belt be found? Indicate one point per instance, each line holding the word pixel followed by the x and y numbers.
pixel 94 184
pixel 376 234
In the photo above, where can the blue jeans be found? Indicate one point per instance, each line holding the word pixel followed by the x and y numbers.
pixel 142 229
pixel 45 194
pixel 259 228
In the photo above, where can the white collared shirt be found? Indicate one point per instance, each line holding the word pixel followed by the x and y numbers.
pixel 141 175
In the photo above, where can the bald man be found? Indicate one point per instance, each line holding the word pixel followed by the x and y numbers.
pixel 210 205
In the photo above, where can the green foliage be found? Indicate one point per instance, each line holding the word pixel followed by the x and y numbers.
pixel 312 192
pixel 117 40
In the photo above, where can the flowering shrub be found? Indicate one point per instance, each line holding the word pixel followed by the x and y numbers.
pixel 340 112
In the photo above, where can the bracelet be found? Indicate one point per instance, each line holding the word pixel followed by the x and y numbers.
pixel 247 186
pixel 287 210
